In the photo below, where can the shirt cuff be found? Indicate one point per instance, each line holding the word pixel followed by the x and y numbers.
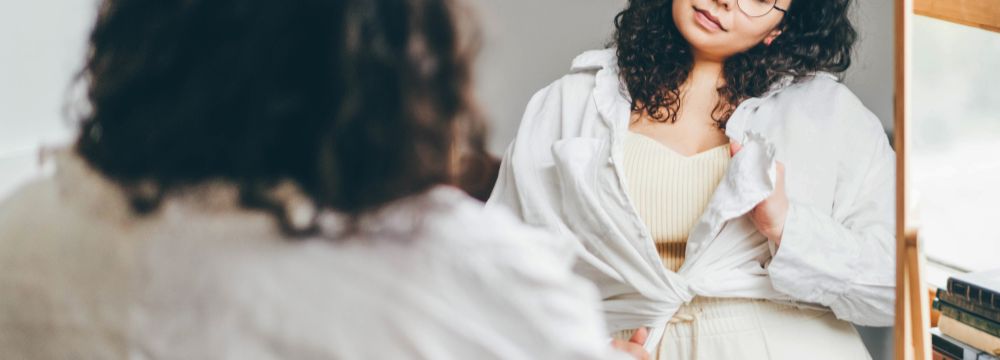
pixel 814 261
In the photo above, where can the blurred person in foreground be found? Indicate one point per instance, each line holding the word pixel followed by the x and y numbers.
pixel 276 179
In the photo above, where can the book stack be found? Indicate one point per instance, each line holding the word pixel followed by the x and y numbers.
pixel 969 326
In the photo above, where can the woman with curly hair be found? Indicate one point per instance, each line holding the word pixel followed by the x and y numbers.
pixel 730 196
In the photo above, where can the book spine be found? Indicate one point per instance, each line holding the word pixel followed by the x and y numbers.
pixel 974 293
pixel 969 335
pixel 951 348
pixel 948 349
pixel 989 313
pixel 985 356
pixel 967 318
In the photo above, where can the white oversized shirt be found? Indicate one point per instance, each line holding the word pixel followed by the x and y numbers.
pixel 434 276
pixel 563 171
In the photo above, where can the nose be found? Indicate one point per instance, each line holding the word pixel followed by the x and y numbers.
pixel 725 4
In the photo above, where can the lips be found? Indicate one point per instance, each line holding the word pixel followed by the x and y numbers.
pixel 711 18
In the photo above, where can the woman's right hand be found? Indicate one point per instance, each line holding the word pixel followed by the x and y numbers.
pixel 634 345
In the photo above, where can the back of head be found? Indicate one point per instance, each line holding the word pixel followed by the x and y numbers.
pixel 356 102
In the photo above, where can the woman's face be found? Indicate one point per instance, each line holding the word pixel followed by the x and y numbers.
pixel 718 29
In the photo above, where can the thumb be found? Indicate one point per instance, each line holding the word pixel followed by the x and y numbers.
pixel 734 147
pixel 639 337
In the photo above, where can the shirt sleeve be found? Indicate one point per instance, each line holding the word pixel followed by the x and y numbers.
pixel 526 175
pixel 846 259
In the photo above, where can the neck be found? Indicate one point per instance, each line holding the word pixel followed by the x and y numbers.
pixel 706 73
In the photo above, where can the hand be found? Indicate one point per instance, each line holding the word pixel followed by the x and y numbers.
pixel 634 345
pixel 769 215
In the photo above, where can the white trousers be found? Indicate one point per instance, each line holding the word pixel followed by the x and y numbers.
pixel 720 328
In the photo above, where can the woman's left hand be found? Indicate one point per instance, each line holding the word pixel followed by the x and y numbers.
pixel 769 215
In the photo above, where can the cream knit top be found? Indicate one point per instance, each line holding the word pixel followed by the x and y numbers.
pixel 670 191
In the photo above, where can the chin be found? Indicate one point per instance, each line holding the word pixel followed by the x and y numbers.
pixel 708 44
pixel 695 37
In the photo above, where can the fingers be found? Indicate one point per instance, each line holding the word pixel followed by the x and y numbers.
pixel 634 345
pixel 734 147
pixel 639 353
pixel 635 350
pixel 640 335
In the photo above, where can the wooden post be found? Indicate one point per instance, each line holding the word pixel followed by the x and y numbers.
pixel 912 337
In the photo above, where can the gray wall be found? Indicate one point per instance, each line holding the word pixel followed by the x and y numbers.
pixel 872 73
pixel 530 43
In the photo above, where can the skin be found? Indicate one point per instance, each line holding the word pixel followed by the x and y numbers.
pixel 634 345
pixel 695 131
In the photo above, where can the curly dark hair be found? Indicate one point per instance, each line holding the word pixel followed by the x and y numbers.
pixel 357 102
pixel 654 58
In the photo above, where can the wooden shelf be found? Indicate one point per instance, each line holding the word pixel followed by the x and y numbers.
pixel 983 14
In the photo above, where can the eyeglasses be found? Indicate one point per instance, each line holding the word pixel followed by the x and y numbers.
pixel 758 8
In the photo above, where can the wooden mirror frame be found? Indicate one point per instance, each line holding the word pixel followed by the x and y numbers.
pixel 912 338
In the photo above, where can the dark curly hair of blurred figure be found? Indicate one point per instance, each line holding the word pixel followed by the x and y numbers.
pixel 654 58
pixel 355 102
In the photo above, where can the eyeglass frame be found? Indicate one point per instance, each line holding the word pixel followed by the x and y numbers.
pixel 773 7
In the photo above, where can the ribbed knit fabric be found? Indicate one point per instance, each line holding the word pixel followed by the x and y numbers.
pixel 670 191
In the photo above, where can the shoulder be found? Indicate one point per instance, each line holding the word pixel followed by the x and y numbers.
pixel 26 204
pixel 822 90
pixel 584 68
pixel 577 86
pixel 577 104
pixel 74 197
pixel 830 103
pixel 594 60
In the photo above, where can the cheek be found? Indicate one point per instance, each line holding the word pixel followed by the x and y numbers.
pixel 680 10
pixel 681 4
pixel 749 33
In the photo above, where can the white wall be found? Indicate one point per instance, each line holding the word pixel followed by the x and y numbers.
pixel 43 46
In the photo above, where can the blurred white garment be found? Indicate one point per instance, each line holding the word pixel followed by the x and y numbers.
pixel 433 276
pixel 563 172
